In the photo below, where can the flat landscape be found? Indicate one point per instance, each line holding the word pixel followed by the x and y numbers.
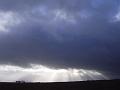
pixel 82 85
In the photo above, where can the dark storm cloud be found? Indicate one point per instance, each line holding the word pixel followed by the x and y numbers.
pixel 62 33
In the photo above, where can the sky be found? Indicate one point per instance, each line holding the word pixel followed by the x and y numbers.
pixel 59 38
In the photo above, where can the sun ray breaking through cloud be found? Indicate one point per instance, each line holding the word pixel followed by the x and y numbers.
pixel 40 73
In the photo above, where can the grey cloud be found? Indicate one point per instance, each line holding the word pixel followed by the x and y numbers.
pixel 90 42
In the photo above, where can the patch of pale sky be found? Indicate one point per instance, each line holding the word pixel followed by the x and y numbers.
pixel 47 74
pixel 7 20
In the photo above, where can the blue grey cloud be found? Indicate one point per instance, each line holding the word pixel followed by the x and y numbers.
pixel 61 33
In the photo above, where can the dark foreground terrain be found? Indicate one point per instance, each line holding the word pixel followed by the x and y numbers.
pixel 85 85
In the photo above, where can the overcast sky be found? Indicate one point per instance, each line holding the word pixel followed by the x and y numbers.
pixel 61 33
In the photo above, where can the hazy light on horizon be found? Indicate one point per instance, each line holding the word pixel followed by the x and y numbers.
pixel 40 73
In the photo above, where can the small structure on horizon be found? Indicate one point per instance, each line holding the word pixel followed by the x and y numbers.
pixel 20 82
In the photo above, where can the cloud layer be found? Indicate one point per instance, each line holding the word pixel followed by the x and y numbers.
pixel 61 33
pixel 39 73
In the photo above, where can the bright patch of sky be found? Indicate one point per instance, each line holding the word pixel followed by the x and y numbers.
pixel 7 20
pixel 40 73
pixel 116 18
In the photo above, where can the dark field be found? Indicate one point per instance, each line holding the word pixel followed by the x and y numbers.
pixel 85 85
